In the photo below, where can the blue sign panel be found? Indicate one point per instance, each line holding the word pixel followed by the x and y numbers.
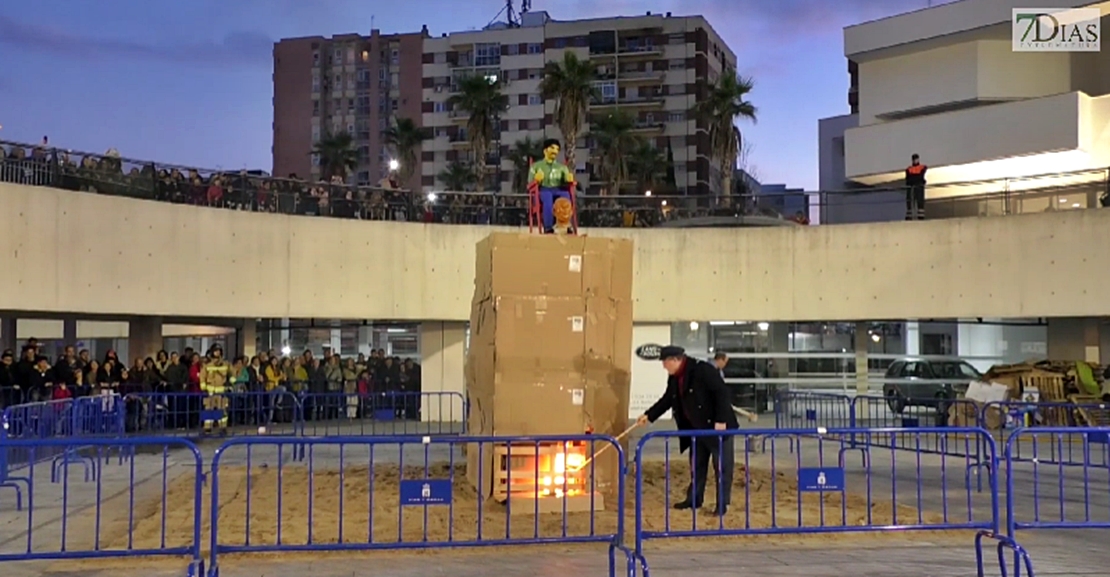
pixel 426 492
pixel 821 479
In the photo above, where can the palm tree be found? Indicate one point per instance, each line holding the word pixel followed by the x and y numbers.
pixel 570 84
pixel 482 99
pixel 615 141
pixel 458 176
pixel 724 104
pixel 405 137
pixel 338 156
pixel 522 154
pixel 647 166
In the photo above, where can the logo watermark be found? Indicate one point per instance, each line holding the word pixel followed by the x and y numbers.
pixel 1056 29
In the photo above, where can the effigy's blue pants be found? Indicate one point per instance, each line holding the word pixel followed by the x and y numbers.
pixel 548 196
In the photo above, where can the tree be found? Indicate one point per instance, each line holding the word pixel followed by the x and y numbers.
pixel 723 106
pixel 458 176
pixel 481 98
pixel 405 137
pixel 615 142
pixel 522 154
pixel 338 156
pixel 647 166
pixel 570 84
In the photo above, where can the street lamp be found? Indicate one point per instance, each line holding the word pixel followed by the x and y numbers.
pixel 394 165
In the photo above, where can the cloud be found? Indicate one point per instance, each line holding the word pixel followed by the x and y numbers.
pixel 236 48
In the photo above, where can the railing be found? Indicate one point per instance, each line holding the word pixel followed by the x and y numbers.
pixel 110 515
pixel 366 493
pixel 241 190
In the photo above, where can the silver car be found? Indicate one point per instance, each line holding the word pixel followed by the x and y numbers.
pixel 939 382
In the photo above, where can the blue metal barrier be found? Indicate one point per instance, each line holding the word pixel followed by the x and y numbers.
pixel 1011 415
pixel 183 414
pixel 389 492
pixel 1021 557
pixel 874 412
pixel 1057 494
pixel 804 409
pixel 80 418
pixel 392 413
pixel 812 489
pixel 112 516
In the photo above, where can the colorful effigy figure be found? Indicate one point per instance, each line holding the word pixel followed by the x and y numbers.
pixel 554 180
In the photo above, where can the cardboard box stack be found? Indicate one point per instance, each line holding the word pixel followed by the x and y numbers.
pixel 550 342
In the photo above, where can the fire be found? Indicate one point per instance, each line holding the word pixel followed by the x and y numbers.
pixel 561 473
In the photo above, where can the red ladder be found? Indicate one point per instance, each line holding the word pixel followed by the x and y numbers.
pixel 535 207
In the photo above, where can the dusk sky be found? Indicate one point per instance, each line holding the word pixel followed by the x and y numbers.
pixel 188 81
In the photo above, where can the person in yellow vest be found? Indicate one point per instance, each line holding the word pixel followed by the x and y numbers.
pixel 213 383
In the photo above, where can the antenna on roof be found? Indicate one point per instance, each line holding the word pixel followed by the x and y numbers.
pixel 512 15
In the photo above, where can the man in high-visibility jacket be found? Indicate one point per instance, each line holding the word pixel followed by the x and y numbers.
pixel 213 383
pixel 915 189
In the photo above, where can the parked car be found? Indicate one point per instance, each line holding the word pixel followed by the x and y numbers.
pixel 940 382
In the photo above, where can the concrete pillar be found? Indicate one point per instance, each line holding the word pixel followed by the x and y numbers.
pixel 9 338
pixel 144 338
pixel 913 339
pixel 247 339
pixel 861 344
pixel 1074 339
pixel 69 332
pixel 443 360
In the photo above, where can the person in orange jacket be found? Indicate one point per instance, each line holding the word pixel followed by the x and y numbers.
pixel 915 189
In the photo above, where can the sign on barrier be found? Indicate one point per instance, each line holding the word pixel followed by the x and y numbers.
pixel 426 492
pixel 821 480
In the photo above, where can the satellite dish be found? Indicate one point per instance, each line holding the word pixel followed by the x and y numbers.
pixel 649 352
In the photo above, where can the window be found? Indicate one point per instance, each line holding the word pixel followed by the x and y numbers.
pixel 316 108
pixel 535 74
pixel 350 106
pixel 440 107
pixel 315 58
pixel 676 39
pixel 315 83
pixel 383 123
pixel 315 160
pixel 350 55
pixel 366 56
pixel 394 79
pixel 608 91
pixel 364 177
pixel 364 75
pixel 534 99
pixel 512 49
pixel 315 134
pixel 649 119
pixel 441 58
pixel 339 55
pixel 351 128
pixel 676 117
pixel 393 104
pixel 535 48
pixel 487 54
pixel 394 55
pixel 560 43
pixel 440 132
pixel 677 64
pixel 383 74
pixel 338 82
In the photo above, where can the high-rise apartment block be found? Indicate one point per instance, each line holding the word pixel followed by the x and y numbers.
pixel 655 67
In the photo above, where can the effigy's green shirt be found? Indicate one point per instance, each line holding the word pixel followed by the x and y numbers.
pixel 555 174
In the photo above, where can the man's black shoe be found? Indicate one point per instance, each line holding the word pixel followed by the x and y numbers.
pixel 720 510
pixel 683 505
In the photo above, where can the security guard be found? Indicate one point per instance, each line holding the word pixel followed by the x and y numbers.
pixel 213 383
pixel 915 189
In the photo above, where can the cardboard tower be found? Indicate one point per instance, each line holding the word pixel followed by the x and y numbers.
pixel 550 354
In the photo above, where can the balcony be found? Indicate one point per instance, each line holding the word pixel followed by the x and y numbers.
pixel 629 51
pixel 459 115
pixel 648 126
pixel 1060 133
pixel 462 63
pixel 633 101
pixel 459 140
pixel 641 76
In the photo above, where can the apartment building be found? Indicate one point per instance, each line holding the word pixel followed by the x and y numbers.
pixel 351 83
pixel 655 66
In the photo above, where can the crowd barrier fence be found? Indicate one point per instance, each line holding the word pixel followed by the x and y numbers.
pixel 109 517
pixel 389 492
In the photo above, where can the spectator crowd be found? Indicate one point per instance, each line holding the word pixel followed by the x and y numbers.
pixel 254 191
pixel 262 389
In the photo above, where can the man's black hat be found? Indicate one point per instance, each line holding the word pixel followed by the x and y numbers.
pixel 671 352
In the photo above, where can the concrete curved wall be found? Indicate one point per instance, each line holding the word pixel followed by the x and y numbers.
pixel 65 251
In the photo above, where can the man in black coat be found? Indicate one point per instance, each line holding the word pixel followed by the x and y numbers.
pixel 698 400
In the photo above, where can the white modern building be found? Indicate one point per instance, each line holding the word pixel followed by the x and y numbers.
pixel 944 82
